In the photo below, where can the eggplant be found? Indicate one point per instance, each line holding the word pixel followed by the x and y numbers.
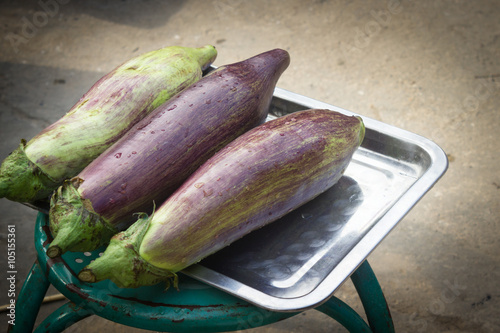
pixel 258 178
pixel 157 155
pixel 105 113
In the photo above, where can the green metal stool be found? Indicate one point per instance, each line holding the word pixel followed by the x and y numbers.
pixel 197 307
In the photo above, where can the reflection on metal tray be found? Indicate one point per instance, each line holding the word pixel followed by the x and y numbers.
pixel 297 262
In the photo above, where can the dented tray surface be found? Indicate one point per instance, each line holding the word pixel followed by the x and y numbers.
pixel 298 261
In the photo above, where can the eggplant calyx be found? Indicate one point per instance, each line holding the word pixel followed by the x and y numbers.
pixel 122 264
pixel 22 180
pixel 74 223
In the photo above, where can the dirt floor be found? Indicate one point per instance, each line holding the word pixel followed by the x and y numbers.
pixel 429 67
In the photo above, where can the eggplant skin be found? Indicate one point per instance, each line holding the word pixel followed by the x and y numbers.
pixel 105 113
pixel 161 151
pixel 258 178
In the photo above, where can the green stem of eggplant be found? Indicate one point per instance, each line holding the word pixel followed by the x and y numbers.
pixel 22 180
pixel 122 264
pixel 74 223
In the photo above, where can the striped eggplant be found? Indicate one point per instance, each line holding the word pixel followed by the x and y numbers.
pixel 256 179
pixel 107 111
pixel 153 159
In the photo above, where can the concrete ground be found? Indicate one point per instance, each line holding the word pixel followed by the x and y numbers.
pixel 429 67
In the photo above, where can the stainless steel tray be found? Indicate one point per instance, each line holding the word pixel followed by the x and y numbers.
pixel 298 262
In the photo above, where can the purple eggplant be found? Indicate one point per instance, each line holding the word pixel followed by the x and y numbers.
pixel 153 159
pixel 256 179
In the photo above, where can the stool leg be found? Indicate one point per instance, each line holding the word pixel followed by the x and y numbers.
pixel 29 300
pixel 372 297
pixel 344 314
pixel 62 318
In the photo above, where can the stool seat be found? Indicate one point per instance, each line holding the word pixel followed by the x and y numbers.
pixel 195 307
